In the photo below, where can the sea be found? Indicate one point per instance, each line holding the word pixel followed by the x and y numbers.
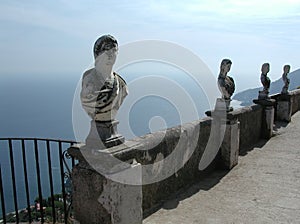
pixel 44 107
pixel 38 108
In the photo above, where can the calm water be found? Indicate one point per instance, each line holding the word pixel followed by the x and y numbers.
pixel 31 108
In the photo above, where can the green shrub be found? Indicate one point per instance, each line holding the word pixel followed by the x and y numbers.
pixel 59 205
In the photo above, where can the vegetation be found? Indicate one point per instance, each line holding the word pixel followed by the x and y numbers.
pixel 36 212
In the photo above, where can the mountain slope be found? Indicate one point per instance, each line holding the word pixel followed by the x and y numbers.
pixel 247 96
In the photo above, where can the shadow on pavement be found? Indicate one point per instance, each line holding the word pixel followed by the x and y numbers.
pixel 205 183
pixel 259 144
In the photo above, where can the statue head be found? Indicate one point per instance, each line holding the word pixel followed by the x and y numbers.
pixel 265 68
pixel 286 69
pixel 105 51
pixel 225 66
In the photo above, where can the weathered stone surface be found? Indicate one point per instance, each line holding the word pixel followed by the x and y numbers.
pixel 228 135
pixel 295 95
pixel 155 193
pixel 250 119
pixel 123 202
pixel 284 111
pixel 87 187
pixel 268 123
pixel 268 117
pixel 230 145
pixel 98 199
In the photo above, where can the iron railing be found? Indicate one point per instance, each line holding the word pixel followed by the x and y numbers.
pixel 32 170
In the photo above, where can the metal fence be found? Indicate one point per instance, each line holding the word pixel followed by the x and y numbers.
pixel 35 180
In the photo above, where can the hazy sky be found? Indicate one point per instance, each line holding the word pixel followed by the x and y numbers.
pixel 55 38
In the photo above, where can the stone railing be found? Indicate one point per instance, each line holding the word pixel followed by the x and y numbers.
pixel 293 98
pixel 97 198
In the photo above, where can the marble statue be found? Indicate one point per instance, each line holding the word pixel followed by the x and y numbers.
pixel 265 80
pixel 103 90
pixel 226 83
pixel 286 80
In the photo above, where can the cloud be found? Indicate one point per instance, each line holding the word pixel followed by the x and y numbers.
pixel 92 17
pixel 212 28
pixel 230 9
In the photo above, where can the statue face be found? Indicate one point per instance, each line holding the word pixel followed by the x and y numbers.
pixel 227 68
pixel 265 68
pixel 286 69
pixel 112 55
pixel 106 58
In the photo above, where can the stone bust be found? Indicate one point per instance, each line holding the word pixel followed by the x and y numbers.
pixel 226 83
pixel 286 80
pixel 103 90
pixel 265 81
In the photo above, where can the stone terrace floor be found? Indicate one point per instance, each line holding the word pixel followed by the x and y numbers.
pixel 263 188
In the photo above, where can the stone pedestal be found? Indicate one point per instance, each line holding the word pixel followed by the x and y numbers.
pixel 230 145
pixel 263 95
pixel 284 108
pixel 267 118
pixel 222 104
pixel 99 198
pixel 104 134
pixel 229 134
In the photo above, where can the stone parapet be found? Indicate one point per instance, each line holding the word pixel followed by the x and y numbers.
pixel 98 198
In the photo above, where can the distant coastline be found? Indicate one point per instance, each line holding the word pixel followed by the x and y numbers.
pixel 246 96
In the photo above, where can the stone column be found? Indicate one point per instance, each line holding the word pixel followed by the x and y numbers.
pixel 99 198
pixel 229 134
pixel 284 108
pixel 231 143
pixel 267 118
